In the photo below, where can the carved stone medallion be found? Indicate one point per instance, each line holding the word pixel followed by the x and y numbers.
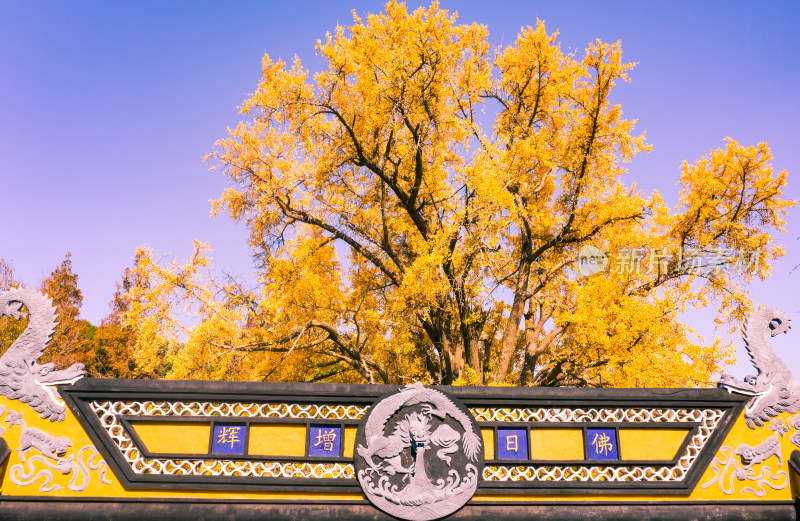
pixel 419 454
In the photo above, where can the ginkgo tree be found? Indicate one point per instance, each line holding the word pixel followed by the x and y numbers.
pixel 417 209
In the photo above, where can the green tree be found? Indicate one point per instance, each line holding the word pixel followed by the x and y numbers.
pixel 105 350
pixel 10 328
pixel 70 342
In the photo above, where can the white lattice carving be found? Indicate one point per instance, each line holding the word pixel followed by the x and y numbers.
pixel 272 469
pixel 708 419
pixel 108 412
pixel 238 409
pixel 555 415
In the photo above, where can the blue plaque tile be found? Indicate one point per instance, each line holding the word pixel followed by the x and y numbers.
pixel 512 443
pixel 601 444
pixel 229 438
pixel 325 440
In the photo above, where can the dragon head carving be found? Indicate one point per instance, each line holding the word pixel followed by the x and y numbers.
pixel 21 376
pixel 11 308
pixel 773 388
pixel 780 323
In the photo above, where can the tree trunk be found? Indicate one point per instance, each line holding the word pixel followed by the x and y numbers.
pixel 534 343
pixel 509 339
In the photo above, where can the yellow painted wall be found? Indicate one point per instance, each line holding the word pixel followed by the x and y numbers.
pixel 269 439
pixel 557 444
pixel 488 442
pixel 174 437
pixel 82 448
pixel 650 444
pixel 709 486
pixel 349 440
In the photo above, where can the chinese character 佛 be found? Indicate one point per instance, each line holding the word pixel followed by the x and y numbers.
pixel 512 444
pixel 602 443
pixel 228 435
pixel 326 439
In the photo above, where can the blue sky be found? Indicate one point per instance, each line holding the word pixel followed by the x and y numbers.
pixel 107 108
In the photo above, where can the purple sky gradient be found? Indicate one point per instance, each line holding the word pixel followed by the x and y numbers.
pixel 107 108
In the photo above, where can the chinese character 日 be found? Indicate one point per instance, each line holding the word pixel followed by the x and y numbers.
pixel 512 444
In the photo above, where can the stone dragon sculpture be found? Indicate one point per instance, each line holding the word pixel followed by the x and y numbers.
pixel 773 388
pixel 436 486
pixel 435 404
pixel 22 378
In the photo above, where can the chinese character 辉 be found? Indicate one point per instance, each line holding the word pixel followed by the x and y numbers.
pixel 228 435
